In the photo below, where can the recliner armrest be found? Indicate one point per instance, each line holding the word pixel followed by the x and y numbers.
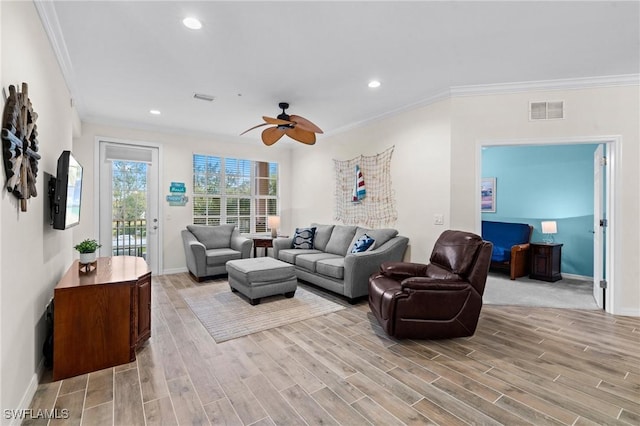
pixel 433 284
pixel 400 270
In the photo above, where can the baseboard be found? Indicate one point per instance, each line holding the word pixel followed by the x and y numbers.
pixel 174 271
pixel 28 395
pixel 577 277
pixel 627 312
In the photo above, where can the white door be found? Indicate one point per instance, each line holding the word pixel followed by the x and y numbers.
pixel 129 201
pixel 598 224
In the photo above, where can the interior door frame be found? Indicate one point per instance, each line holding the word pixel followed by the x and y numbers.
pixel 612 176
pixel 96 187
pixel 599 214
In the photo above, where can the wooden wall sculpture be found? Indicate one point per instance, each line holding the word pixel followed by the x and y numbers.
pixel 20 145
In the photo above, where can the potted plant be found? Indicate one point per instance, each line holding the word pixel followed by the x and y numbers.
pixel 87 250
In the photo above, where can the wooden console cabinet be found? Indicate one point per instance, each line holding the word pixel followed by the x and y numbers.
pixel 101 316
pixel 546 259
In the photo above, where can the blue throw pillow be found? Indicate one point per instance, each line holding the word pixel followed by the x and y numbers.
pixel 364 243
pixel 303 238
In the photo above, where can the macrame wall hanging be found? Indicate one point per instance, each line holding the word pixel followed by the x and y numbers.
pixel 363 190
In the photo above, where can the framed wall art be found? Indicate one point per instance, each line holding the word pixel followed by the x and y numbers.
pixel 488 195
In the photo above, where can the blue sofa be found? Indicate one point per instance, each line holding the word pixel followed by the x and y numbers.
pixel 510 246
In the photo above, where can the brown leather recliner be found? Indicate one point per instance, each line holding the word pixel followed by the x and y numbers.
pixel 439 300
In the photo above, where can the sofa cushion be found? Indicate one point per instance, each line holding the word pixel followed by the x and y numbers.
pixel 213 237
pixel 380 236
pixel 340 241
pixel 303 238
pixel 333 268
pixel 220 256
pixel 323 233
pixel 308 261
pixel 362 244
pixel 290 255
pixel 501 254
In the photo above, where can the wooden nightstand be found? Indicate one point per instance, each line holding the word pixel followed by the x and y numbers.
pixel 263 242
pixel 545 261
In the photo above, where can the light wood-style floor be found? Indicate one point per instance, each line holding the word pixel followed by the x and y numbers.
pixel 537 366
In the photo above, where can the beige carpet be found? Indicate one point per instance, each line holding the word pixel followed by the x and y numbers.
pixel 566 293
pixel 228 315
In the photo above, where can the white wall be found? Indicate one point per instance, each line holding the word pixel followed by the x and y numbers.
pixel 434 166
pixel 589 112
pixel 33 255
pixel 177 151
pixel 419 172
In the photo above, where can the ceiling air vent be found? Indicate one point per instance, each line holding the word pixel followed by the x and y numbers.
pixel 546 110
pixel 203 97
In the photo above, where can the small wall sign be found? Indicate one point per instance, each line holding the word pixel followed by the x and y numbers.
pixel 178 187
pixel 177 197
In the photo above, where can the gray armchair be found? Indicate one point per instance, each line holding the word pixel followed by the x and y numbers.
pixel 208 248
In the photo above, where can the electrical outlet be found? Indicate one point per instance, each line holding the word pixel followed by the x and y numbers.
pixel 438 219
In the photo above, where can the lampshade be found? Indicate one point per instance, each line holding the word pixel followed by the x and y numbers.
pixel 274 224
pixel 549 227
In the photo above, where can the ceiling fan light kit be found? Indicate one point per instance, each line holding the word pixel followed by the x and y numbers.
pixel 297 128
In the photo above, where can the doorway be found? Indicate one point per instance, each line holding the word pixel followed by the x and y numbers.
pixel 128 213
pixel 600 226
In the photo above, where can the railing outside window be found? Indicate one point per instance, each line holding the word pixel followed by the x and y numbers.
pixel 129 238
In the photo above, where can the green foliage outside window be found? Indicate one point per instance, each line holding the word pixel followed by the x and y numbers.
pixel 129 190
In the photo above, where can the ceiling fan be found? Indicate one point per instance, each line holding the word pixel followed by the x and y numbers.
pixel 294 126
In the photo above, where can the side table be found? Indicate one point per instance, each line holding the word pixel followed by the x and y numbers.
pixel 263 241
pixel 546 259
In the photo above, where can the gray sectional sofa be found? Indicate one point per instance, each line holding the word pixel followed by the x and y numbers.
pixel 330 263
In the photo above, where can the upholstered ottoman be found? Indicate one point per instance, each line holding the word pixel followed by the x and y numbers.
pixel 262 277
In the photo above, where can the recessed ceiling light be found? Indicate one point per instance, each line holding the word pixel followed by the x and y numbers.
pixel 373 84
pixel 192 23
pixel 154 112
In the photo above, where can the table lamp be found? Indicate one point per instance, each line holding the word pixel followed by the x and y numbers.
pixel 549 228
pixel 274 223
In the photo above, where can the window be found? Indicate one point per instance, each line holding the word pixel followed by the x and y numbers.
pixel 231 190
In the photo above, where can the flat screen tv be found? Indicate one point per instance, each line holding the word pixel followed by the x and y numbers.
pixel 68 192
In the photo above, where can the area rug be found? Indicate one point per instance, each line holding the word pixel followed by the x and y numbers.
pixel 228 315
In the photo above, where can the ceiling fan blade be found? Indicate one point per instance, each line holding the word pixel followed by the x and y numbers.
pixel 254 127
pixel 305 124
pixel 300 135
pixel 272 135
pixel 275 121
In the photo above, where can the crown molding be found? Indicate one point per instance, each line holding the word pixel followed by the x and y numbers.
pixel 440 96
pixel 560 84
pixel 49 18
pixel 503 88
